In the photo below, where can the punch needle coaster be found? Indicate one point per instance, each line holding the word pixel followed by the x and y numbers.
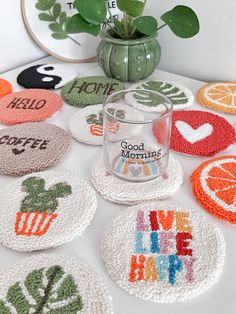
pixel 180 96
pixel 5 87
pixel 48 76
pixel 163 252
pixel 124 192
pixel 31 147
pixel 220 96
pixel 44 210
pixel 198 133
pixel 214 186
pixel 46 283
pixel 90 90
pixel 30 105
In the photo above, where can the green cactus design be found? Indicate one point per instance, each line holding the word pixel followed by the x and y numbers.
pixel 98 119
pixel 41 200
pixel 172 92
pixel 45 290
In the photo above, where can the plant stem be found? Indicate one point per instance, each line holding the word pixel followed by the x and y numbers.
pixel 162 26
pixel 75 41
pixel 126 26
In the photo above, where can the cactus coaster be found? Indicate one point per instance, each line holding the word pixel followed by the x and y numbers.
pixel 5 87
pixel 90 90
pixel 54 284
pixel 163 252
pixel 180 96
pixel 45 209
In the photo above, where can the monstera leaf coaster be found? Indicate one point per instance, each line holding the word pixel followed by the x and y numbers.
pixel 52 284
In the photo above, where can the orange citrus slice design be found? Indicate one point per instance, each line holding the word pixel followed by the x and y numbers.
pixel 220 96
pixel 214 186
pixel 5 87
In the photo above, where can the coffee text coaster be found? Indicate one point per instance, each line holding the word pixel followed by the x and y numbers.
pixel 163 252
pixel 5 87
pixel 46 283
pixel 31 147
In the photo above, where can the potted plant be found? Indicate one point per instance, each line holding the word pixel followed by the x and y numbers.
pixel 129 50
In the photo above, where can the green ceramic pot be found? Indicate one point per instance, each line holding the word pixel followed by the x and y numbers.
pixel 128 60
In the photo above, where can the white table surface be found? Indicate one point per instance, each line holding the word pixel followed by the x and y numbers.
pixel 219 299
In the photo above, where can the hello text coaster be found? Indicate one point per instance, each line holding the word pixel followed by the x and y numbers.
pixel 31 147
pixel 90 90
pixel 180 96
pixel 220 96
pixel 198 133
pixel 163 252
pixel 214 186
pixel 46 283
pixel 124 192
pixel 44 210
pixel 5 87
pixel 29 106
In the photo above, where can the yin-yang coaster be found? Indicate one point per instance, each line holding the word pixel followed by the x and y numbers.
pixel 214 186
pixel 47 76
pixel 163 252
pixel 198 133
pixel 46 283
pixel 5 87
pixel 180 96
pixel 31 147
pixel 30 105
pixel 44 210
pixel 120 191
pixel 90 90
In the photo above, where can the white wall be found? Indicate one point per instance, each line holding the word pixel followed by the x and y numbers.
pixel 209 56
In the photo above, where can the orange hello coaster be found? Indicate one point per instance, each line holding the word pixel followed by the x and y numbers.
pixel 29 106
pixel 5 87
pixel 220 96
pixel 214 186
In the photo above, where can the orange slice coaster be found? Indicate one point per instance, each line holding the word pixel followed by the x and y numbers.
pixel 29 106
pixel 220 96
pixel 5 87
pixel 214 186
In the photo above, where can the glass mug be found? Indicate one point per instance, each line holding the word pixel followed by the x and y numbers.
pixel 136 141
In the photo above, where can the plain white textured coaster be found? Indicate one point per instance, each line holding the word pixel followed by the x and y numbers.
pixel 163 252
pixel 46 283
pixel 125 192
pixel 44 210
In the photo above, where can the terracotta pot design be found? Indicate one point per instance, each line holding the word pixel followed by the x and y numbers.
pixel 113 127
pixel 96 130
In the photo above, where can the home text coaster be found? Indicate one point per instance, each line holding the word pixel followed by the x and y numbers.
pixel 124 192
pixel 46 283
pixel 180 96
pixel 48 76
pixel 214 186
pixel 163 252
pixel 198 133
pixel 29 106
pixel 220 96
pixel 31 147
pixel 44 210
pixel 5 87
pixel 90 90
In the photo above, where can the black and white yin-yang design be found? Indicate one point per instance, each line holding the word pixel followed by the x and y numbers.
pixel 47 76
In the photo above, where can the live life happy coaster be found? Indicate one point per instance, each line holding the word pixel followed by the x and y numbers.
pixel 163 252
pixel 46 283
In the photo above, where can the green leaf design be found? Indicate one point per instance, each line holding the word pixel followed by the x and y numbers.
pixel 133 8
pixel 44 5
pixel 62 18
pixel 77 24
pixel 146 25
pixel 46 17
pixel 93 11
pixel 60 35
pixel 55 27
pixel 45 290
pixel 56 10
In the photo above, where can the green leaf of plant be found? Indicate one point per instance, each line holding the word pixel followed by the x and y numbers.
pixel 56 10
pixel 183 21
pixel 133 8
pixel 62 18
pixel 93 11
pixel 55 27
pixel 60 35
pixel 44 5
pixel 119 26
pixel 146 25
pixel 46 17
pixel 77 24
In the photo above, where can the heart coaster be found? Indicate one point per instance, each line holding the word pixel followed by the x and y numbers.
pixel 47 283
pixel 214 186
pixel 48 76
pixel 90 90
pixel 220 96
pixel 124 192
pixel 29 106
pixel 45 209
pixel 198 133
pixel 5 87
pixel 30 147
pixel 163 252
pixel 180 96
